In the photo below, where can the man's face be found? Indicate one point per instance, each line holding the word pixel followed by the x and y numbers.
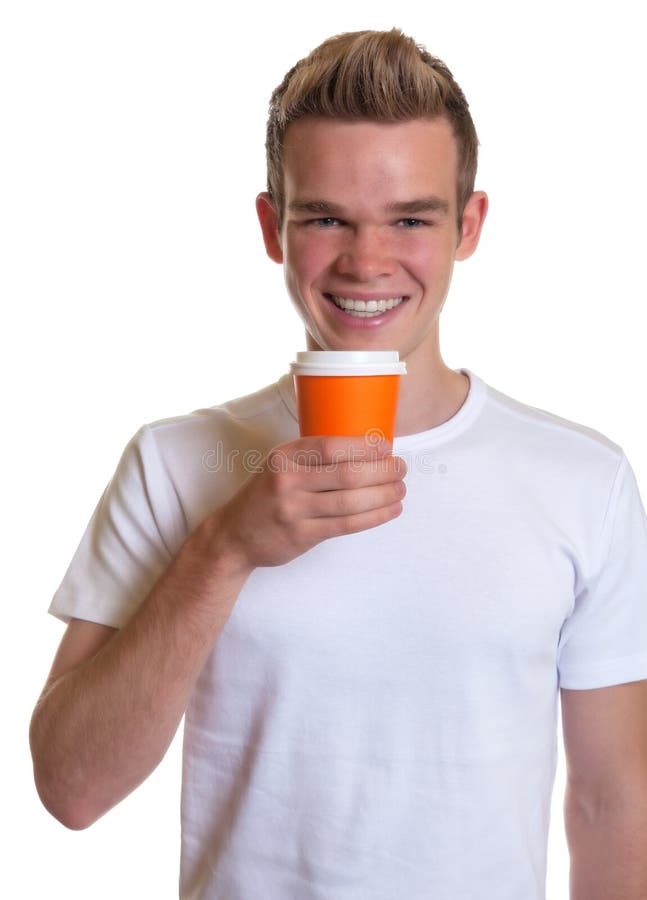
pixel 370 217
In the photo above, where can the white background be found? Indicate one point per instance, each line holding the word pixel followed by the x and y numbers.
pixel 134 287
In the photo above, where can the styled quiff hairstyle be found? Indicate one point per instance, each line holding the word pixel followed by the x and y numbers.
pixel 375 75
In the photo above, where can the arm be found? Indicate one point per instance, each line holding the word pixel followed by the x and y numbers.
pixel 114 699
pixel 605 741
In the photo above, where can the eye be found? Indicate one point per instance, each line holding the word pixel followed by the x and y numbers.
pixel 412 223
pixel 325 222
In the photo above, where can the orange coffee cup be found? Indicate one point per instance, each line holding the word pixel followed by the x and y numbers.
pixel 347 392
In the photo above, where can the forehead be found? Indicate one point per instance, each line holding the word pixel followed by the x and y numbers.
pixel 334 156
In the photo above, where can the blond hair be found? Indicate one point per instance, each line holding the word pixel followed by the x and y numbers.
pixel 375 75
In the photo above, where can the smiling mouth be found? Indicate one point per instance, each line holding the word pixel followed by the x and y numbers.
pixel 365 309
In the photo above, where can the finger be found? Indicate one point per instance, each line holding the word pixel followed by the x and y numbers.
pixel 314 452
pixel 326 527
pixel 336 504
pixel 355 473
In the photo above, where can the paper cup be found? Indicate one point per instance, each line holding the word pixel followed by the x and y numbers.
pixel 347 392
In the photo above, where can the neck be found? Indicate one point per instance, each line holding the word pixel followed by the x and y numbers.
pixel 429 396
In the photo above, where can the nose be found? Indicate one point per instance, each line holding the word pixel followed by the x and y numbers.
pixel 366 255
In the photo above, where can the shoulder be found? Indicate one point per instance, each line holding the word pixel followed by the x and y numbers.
pixel 546 436
pixel 198 457
pixel 266 415
pixel 561 469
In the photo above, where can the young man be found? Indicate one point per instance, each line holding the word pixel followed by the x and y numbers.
pixel 370 681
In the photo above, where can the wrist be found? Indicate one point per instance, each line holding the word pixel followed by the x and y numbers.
pixel 214 550
pixel 203 581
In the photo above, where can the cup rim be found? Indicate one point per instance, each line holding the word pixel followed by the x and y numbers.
pixel 348 362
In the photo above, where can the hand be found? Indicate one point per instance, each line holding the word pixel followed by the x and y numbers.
pixel 308 490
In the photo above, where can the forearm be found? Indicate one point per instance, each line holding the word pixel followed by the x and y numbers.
pixel 608 851
pixel 101 729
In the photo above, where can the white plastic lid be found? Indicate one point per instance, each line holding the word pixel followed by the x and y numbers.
pixel 348 362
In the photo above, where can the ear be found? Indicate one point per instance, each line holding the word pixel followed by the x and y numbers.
pixel 268 217
pixel 473 219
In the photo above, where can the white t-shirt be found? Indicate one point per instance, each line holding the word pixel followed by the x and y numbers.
pixel 378 718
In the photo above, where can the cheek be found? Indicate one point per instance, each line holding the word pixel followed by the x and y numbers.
pixel 301 265
pixel 421 259
pixel 306 259
pixel 429 258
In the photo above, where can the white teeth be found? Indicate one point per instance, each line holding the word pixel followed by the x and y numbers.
pixel 365 308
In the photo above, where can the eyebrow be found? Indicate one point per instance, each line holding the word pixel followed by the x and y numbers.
pixel 403 207
pixel 421 204
pixel 313 206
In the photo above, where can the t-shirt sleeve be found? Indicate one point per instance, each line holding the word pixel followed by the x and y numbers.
pixel 604 640
pixel 128 543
